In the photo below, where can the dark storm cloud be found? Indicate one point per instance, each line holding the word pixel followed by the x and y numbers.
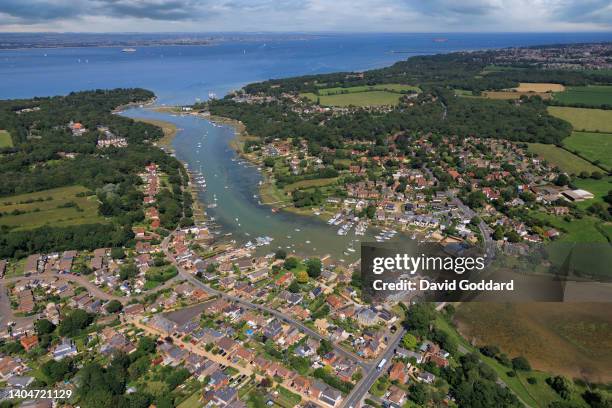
pixel 35 11
pixel 171 10
pixel 451 8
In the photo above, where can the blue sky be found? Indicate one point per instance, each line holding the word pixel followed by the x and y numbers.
pixel 306 15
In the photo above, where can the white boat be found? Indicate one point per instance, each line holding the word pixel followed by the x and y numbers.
pixel 128 50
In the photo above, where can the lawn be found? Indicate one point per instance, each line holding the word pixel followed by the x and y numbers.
pixel 56 207
pixel 5 139
pixel 594 146
pixel 597 120
pixel 588 95
pixel 539 87
pixel 193 401
pixel 561 158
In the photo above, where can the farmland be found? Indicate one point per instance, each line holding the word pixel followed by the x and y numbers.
pixel 539 87
pixel 310 183
pixel 55 207
pixel 5 139
pixel 583 230
pixel 598 120
pixel 599 188
pixel 594 95
pixel 364 88
pixel 563 159
pixel 593 146
pixel 573 339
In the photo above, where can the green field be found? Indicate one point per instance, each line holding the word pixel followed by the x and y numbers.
pixel 368 98
pixel 62 209
pixel 376 95
pixel 366 88
pixel 5 139
pixel 561 158
pixel 597 120
pixel 588 95
pixel 593 146
pixel 599 188
pixel 577 230
pixel 309 183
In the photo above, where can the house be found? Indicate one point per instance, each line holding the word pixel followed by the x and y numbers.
pixel 9 367
pixel 331 396
pixel 577 195
pixel 426 377
pixel 29 342
pixel 224 396
pixel 18 381
pixel 398 372
pixel 396 395
pixel 66 348
pixel 162 324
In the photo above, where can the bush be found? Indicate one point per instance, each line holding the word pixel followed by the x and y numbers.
pixel 520 363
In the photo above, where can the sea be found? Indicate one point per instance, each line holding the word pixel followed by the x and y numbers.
pixel 185 74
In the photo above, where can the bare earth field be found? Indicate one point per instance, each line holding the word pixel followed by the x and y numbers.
pixel 573 339
pixel 539 87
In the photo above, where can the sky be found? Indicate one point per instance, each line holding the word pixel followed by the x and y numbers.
pixel 305 15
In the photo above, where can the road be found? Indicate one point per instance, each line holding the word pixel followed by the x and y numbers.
pixel 262 308
pixel 363 386
pixel 485 231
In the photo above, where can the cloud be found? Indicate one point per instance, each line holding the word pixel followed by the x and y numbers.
pixel 585 11
pixel 305 15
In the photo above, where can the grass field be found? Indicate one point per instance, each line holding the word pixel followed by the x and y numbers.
pixel 577 230
pixel 368 98
pixel 599 188
pixel 598 120
pixel 54 212
pixel 588 95
pixel 384 94
pixel 514 95
pixel 573 339
pixel 594 146
pixel 561 158
pixel 366 88
pixel 5 139
pixel 193 401
pixel 539 87
pixel 310 183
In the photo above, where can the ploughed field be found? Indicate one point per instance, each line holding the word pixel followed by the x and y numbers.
pixel 574 339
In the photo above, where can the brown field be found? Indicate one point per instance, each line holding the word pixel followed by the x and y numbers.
pixel 514 94
pixel 539 87
pixel 573 339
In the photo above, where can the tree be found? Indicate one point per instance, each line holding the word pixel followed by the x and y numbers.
pixel 43 326
pixel 114 306
pixel 418 318
pixel 280 254
pixel 409 341
pixel 560 385
pixel 562 180
pixel 291 263
pixel 498 233
pixel 324 347
pixel 74 322
pixel 520 363
pixel 117 253
pixel 58 370
pixel 302 277
pixel 294 287
pixel 313 267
